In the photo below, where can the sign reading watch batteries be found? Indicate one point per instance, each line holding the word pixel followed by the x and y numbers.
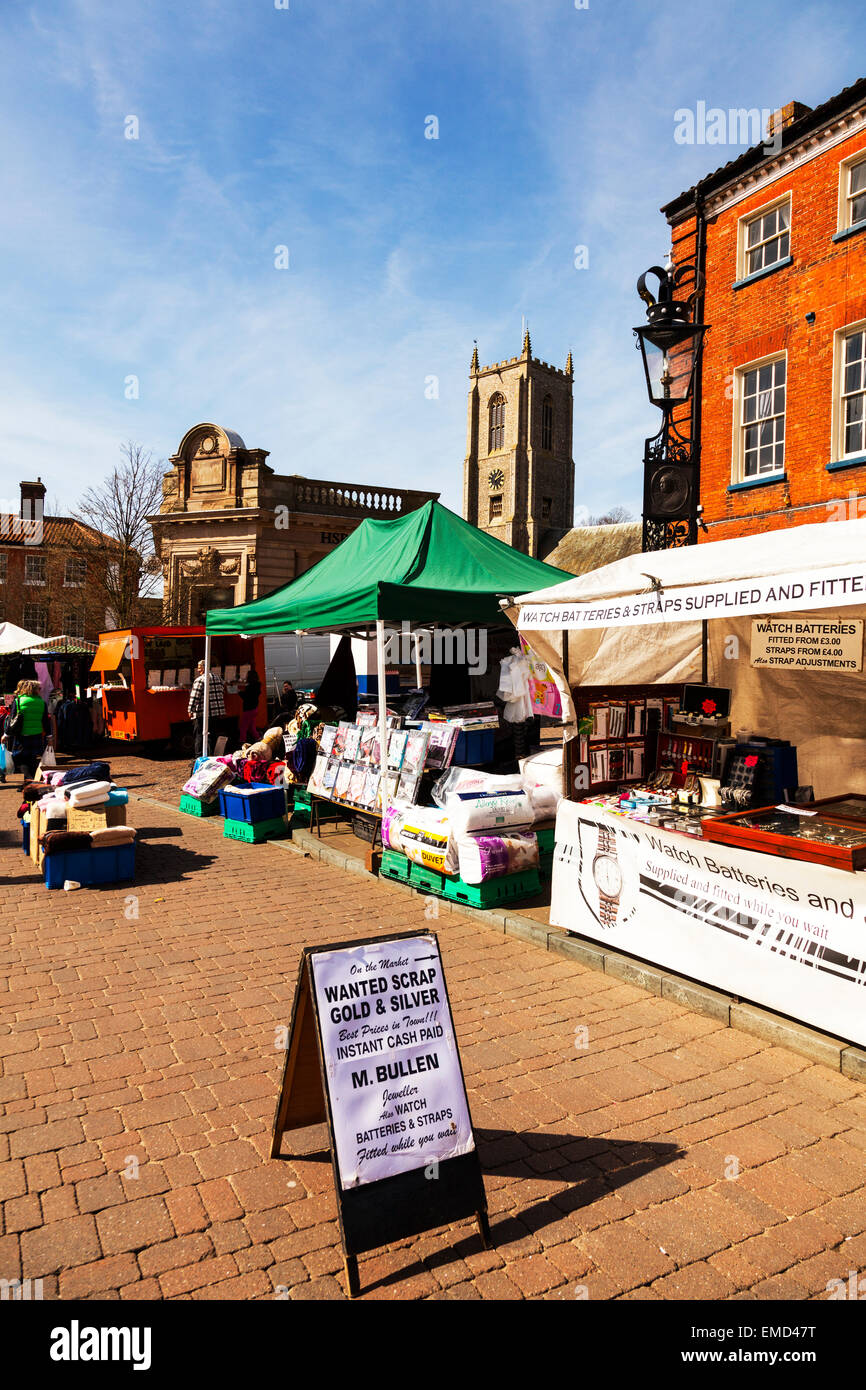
pixel 810 645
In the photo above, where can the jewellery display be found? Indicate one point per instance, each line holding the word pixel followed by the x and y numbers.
pixel 793 833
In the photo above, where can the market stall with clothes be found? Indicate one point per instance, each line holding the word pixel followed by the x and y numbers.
pixel 734 849
pixel 394 762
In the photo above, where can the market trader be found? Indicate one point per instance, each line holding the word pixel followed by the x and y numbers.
pixel 216 706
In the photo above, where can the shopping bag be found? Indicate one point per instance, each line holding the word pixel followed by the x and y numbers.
pixel 48 759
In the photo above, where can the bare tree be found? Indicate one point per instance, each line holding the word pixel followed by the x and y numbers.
pixel 124 569
pixel 611 517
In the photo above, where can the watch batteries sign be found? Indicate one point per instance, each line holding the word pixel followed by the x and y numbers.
pixel 394 1079
pixel 808 644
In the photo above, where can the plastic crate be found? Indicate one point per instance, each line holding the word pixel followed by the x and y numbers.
pixel 193 806
pixel 253 832
pixel 394 865
pixel 492 892
pixel 545 866
pixel 113 864
pixel 546 839
pixel 302 796
pixel 473 747
pixel 253 803
pixel 508 888
pixel 25 837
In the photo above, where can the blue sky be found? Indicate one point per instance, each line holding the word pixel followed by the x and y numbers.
pixel 305 127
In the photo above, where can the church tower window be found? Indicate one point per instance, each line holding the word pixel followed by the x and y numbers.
pixel 496 434
pixel 547 423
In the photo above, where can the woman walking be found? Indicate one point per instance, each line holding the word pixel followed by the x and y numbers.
pixel 26 728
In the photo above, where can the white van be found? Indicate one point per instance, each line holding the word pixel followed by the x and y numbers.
pixel 301 660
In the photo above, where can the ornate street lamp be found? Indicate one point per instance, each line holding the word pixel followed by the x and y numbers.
pixel 670 344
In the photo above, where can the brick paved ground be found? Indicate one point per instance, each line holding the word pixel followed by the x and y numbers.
pixel 148 1044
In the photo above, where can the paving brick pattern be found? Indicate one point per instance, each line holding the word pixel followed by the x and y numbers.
pixel 670 1158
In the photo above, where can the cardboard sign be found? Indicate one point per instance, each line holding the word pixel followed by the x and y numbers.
pixel 810 645
pixel 372 1051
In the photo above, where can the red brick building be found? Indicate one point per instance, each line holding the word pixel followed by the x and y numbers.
pixel 780 410
pixel 46 581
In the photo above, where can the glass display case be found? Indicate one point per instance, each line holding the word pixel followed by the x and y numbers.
pixel 832 831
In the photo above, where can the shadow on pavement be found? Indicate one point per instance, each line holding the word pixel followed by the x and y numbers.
pixel 593 1168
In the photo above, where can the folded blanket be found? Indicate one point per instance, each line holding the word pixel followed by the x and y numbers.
pixel 92 772
pixel 112 835
pixel 91 794
pixel 65 841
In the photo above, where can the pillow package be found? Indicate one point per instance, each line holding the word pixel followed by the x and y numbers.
pixel 466 779
pixel 489 856
pixel 489 810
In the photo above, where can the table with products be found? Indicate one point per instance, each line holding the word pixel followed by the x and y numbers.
pixel 741 879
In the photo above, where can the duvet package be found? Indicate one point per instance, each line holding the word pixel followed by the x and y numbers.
pixel 489 810
pixel 423 834
pixel 481 857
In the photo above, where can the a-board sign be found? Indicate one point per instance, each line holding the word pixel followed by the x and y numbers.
pixel 808 644
pixel 372 1050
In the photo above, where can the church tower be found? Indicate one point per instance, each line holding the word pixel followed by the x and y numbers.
pixel 518 475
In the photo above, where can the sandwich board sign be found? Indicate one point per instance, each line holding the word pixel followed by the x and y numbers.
pixel 372 1051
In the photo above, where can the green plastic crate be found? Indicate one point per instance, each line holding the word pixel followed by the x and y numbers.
pixel 255 831
pixel 302 796
pixel 191 806
pixel 394 865
pixel 507 888
pixel 546 839
pixel 545 866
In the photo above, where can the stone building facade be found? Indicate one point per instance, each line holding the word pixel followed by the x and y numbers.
pixel 231 530
pixel 518 474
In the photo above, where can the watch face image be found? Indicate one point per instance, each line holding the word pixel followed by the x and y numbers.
pixel 607 875
pixel 496 478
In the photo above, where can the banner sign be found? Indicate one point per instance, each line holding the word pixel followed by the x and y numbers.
pixel 828 588
pixel 809 645
pixel 390 1054
pixel 372 1052
pixel 779 932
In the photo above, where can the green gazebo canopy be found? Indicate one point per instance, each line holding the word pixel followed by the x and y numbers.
pixel 428 566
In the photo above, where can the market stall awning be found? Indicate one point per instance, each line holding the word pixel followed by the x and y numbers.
pixel 62 646
pixel 797 555
pixel 109 653
pixel 427 566
pixel 16 639
pixel 640 621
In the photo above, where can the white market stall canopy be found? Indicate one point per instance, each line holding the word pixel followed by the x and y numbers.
pixel 16 639
pixel 639 621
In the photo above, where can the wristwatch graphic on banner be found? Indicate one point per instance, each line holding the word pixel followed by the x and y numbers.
pixel 608 876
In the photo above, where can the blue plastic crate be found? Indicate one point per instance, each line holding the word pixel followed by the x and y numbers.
pixel 25 837
pixel 473 747
pixel 254 802
pixel 113 864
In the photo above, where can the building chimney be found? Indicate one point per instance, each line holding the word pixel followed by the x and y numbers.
pixel 32 500
pixel 786 116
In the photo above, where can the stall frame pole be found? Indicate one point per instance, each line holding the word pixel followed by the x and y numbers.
pixel 383 712
pixel 206 711
pixel 418 660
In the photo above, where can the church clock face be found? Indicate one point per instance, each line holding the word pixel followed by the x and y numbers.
pixel 495 479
